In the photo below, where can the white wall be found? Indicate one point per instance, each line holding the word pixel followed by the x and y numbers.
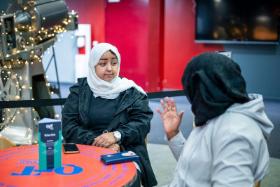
pixel 65 50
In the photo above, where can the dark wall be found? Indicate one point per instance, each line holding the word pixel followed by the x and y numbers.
pixel 4 5
pixel 260 65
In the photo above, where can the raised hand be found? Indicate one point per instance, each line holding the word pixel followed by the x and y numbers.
pixel 170 117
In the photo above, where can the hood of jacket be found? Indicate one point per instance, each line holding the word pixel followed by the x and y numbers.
pixel 255 109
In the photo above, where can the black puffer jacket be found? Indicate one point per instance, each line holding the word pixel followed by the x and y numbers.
pixel 132 120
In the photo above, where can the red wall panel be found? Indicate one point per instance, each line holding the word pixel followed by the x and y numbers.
pixel 127 27
pixel 155 38
pixel 155 45
pixel 179 45
pixel 91 12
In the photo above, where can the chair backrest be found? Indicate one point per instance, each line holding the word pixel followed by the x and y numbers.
pixel 258 184
pixel 5 143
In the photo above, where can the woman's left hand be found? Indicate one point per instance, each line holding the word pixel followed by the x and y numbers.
pixel 104 140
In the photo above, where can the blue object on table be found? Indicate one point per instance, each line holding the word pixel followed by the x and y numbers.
pixel 125 156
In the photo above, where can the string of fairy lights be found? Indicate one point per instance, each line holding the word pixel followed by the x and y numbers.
pixel 31 43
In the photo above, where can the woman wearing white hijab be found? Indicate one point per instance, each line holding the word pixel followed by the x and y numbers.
pixel 108 111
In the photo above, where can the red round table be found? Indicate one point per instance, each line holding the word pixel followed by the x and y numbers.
pixel 19 167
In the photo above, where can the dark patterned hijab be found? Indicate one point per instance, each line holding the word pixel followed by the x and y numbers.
pixel 212 83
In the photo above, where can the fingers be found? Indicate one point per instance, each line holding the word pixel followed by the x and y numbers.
pixel 171 104
pixel 100 142
pixel 104 140
pixel 158 111
pixel 115 147
pixel 167 104
pixel 162 104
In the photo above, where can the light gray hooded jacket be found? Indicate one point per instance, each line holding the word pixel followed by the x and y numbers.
pixel 229 151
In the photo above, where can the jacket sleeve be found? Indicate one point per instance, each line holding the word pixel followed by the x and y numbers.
pixel 139 116
pixel 176 144
pixel 72 129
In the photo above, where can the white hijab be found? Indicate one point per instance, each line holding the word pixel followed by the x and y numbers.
pixel 101 88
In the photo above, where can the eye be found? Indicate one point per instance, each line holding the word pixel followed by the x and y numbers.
pixel 114 63
pixel 102 64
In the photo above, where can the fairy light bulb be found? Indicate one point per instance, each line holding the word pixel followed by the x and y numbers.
pixel 57 116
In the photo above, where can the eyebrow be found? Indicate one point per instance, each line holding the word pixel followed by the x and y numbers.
pixel 107 58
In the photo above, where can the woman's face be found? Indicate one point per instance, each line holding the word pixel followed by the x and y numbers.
pixel 108 67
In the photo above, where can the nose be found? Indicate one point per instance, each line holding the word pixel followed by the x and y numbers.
pixel 109 67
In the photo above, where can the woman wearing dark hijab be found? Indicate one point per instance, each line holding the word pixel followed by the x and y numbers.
pixel 227 146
